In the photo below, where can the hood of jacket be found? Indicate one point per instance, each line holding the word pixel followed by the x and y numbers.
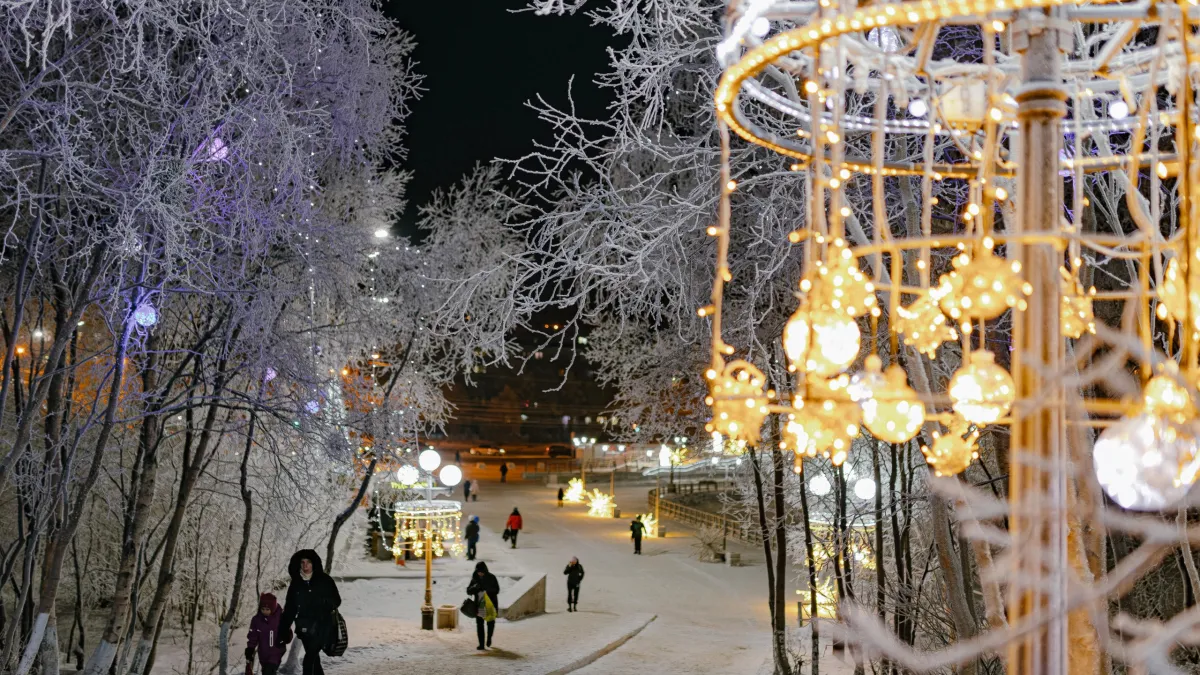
pixel 269 600
pixel 481 567
pixel 294 565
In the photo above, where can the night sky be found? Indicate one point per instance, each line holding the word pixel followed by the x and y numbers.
pixel 482 63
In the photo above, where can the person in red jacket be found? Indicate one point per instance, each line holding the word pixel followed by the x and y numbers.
pixel 513 526
pixel 265 637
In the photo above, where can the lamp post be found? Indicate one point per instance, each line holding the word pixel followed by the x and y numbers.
pixel 450 475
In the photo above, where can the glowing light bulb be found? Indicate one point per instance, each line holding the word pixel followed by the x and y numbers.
pixel 795 337
pixel 819 485
pixel 1164 397
pixel 1139 462
pixel 450 475
pixel 981 391
pixel 953 451
pixel 835 342
pixel 408 475
pixel 145 315
pixel 864 488
pixel 429 460
pixel 894 413
pixel 1118 109
pixel 381 233
pixel 761 26
pixel 917 107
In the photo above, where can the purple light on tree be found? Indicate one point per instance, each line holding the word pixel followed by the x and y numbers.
pixel 269 374
pixel 312 407
pixel 212 150
pixel 145 315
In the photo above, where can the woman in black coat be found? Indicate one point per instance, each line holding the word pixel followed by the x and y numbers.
pixel 311 599
pixel 574 572
pixel 484 582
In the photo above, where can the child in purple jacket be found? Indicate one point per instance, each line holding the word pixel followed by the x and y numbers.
pixel 265 637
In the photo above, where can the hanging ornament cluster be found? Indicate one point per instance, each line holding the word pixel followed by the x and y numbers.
pixel 738 401
pixel 893 412
pixel 982 287
pixel 1076 317
pixel 953 451
pixel 826 422
pixel 923 324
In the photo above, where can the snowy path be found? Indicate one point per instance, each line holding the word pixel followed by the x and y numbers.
pixel 710 618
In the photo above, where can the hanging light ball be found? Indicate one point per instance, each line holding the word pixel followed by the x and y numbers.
pixel 738 402
pixel 795 338
pixel 1164 397
pixel 819 485
pixel 835 342
pixel 867 381
pixel 408 475
pixel 894 413
pixel 982 287
pixel 981 391
pixel 1142 462
pixel 840 285
pixel 1076 317
pixel 429 460
pixel 145 315
pixel 924 326
pixel 953 451
pixel 826 423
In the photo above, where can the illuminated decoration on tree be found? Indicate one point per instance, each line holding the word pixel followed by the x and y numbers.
pixel 1141 462
pixel 422 523
pixel 892 411
pixel 953 451
pixel 1077 317
pixel 839 285
pixel 1164 397
pixel 835 342
pixel 738 402
pixel 574 493
pixel 269 374
pixel 651 524
pixel 826 601
pixel 145 315
pixel 981 391
pixel 313 407
pixel 408 475
pixel 600 505
pixel 923 324
pixel 982 287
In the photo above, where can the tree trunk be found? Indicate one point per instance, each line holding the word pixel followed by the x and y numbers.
pixel 345 515
pixel 952 577
pixel 880 567
pixel 783 664
pixel 140 503
pixel 239 573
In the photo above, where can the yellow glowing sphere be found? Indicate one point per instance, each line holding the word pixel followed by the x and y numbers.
pixel 840 285
pixel 953 451
pixel 835 340
pixel 1165 397
pixel 982 287
pixel 827 427
pixel 1076 317
pixel 981 391
pixel 795 338
pixel 894 413
pixel 924 326
pixel 738 402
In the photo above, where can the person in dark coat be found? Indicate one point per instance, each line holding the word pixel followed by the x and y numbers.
pixel 484 582
pixel 513 525
pixel 638 528
pixel 265 637
pixel 466 490
pixel 574 572
pixel 561 494
pixel 311 598
pixel 504 472
pixel 472 536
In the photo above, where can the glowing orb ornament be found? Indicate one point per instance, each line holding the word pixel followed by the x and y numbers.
pixel 826 423
pixel 1173 295
pixel 1139 462
pixel 450 475
pixel 953 451
pixel 738 402
pixel 982 287
pixel 924 326
pixel 869 380
pixel 1164 397
pixel 145 315
pixel 429 460
pixel 981 391
pixel 840 285
pixel 408 475
pixel 795 338
pixel 819 485
pixel 835 342
pixel 893 413
pixel 864 488
pixel 1076 317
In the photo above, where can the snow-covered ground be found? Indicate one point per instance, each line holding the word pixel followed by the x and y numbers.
pixel 688 616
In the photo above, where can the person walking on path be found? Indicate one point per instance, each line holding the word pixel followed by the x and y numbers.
pixel 265 637
pixel 472 536
pixel 475 490
pixel 504 472
pixel 486 591
pixel 466 490
pixel 513 526
pixel 457 456
pixel 311 599
pixel 638 528
pixel 574 572
pixel 561 494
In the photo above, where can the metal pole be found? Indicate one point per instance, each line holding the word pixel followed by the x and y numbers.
pixel 1038 491
pixel 427 608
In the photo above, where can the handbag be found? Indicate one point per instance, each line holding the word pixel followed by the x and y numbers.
pixel 469 608
pixel 338 638
pixel 507 534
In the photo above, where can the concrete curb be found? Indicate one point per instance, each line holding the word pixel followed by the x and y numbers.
pixel 603 651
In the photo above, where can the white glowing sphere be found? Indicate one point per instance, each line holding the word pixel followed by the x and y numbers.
pixel 864 488
pixel 835 343
pixel 145 315
pixel 917 107
pixel 381 233
pixel 795 337
pixel 819 485
pixel 408 475
pixel 429 460
pixel 1118 109
pixel 761 26
pixel 450 475
pixel 1139 462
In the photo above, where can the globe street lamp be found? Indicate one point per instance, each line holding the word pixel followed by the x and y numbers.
pixel 450 475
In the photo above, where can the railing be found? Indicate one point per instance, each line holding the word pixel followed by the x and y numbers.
pixel 669 510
